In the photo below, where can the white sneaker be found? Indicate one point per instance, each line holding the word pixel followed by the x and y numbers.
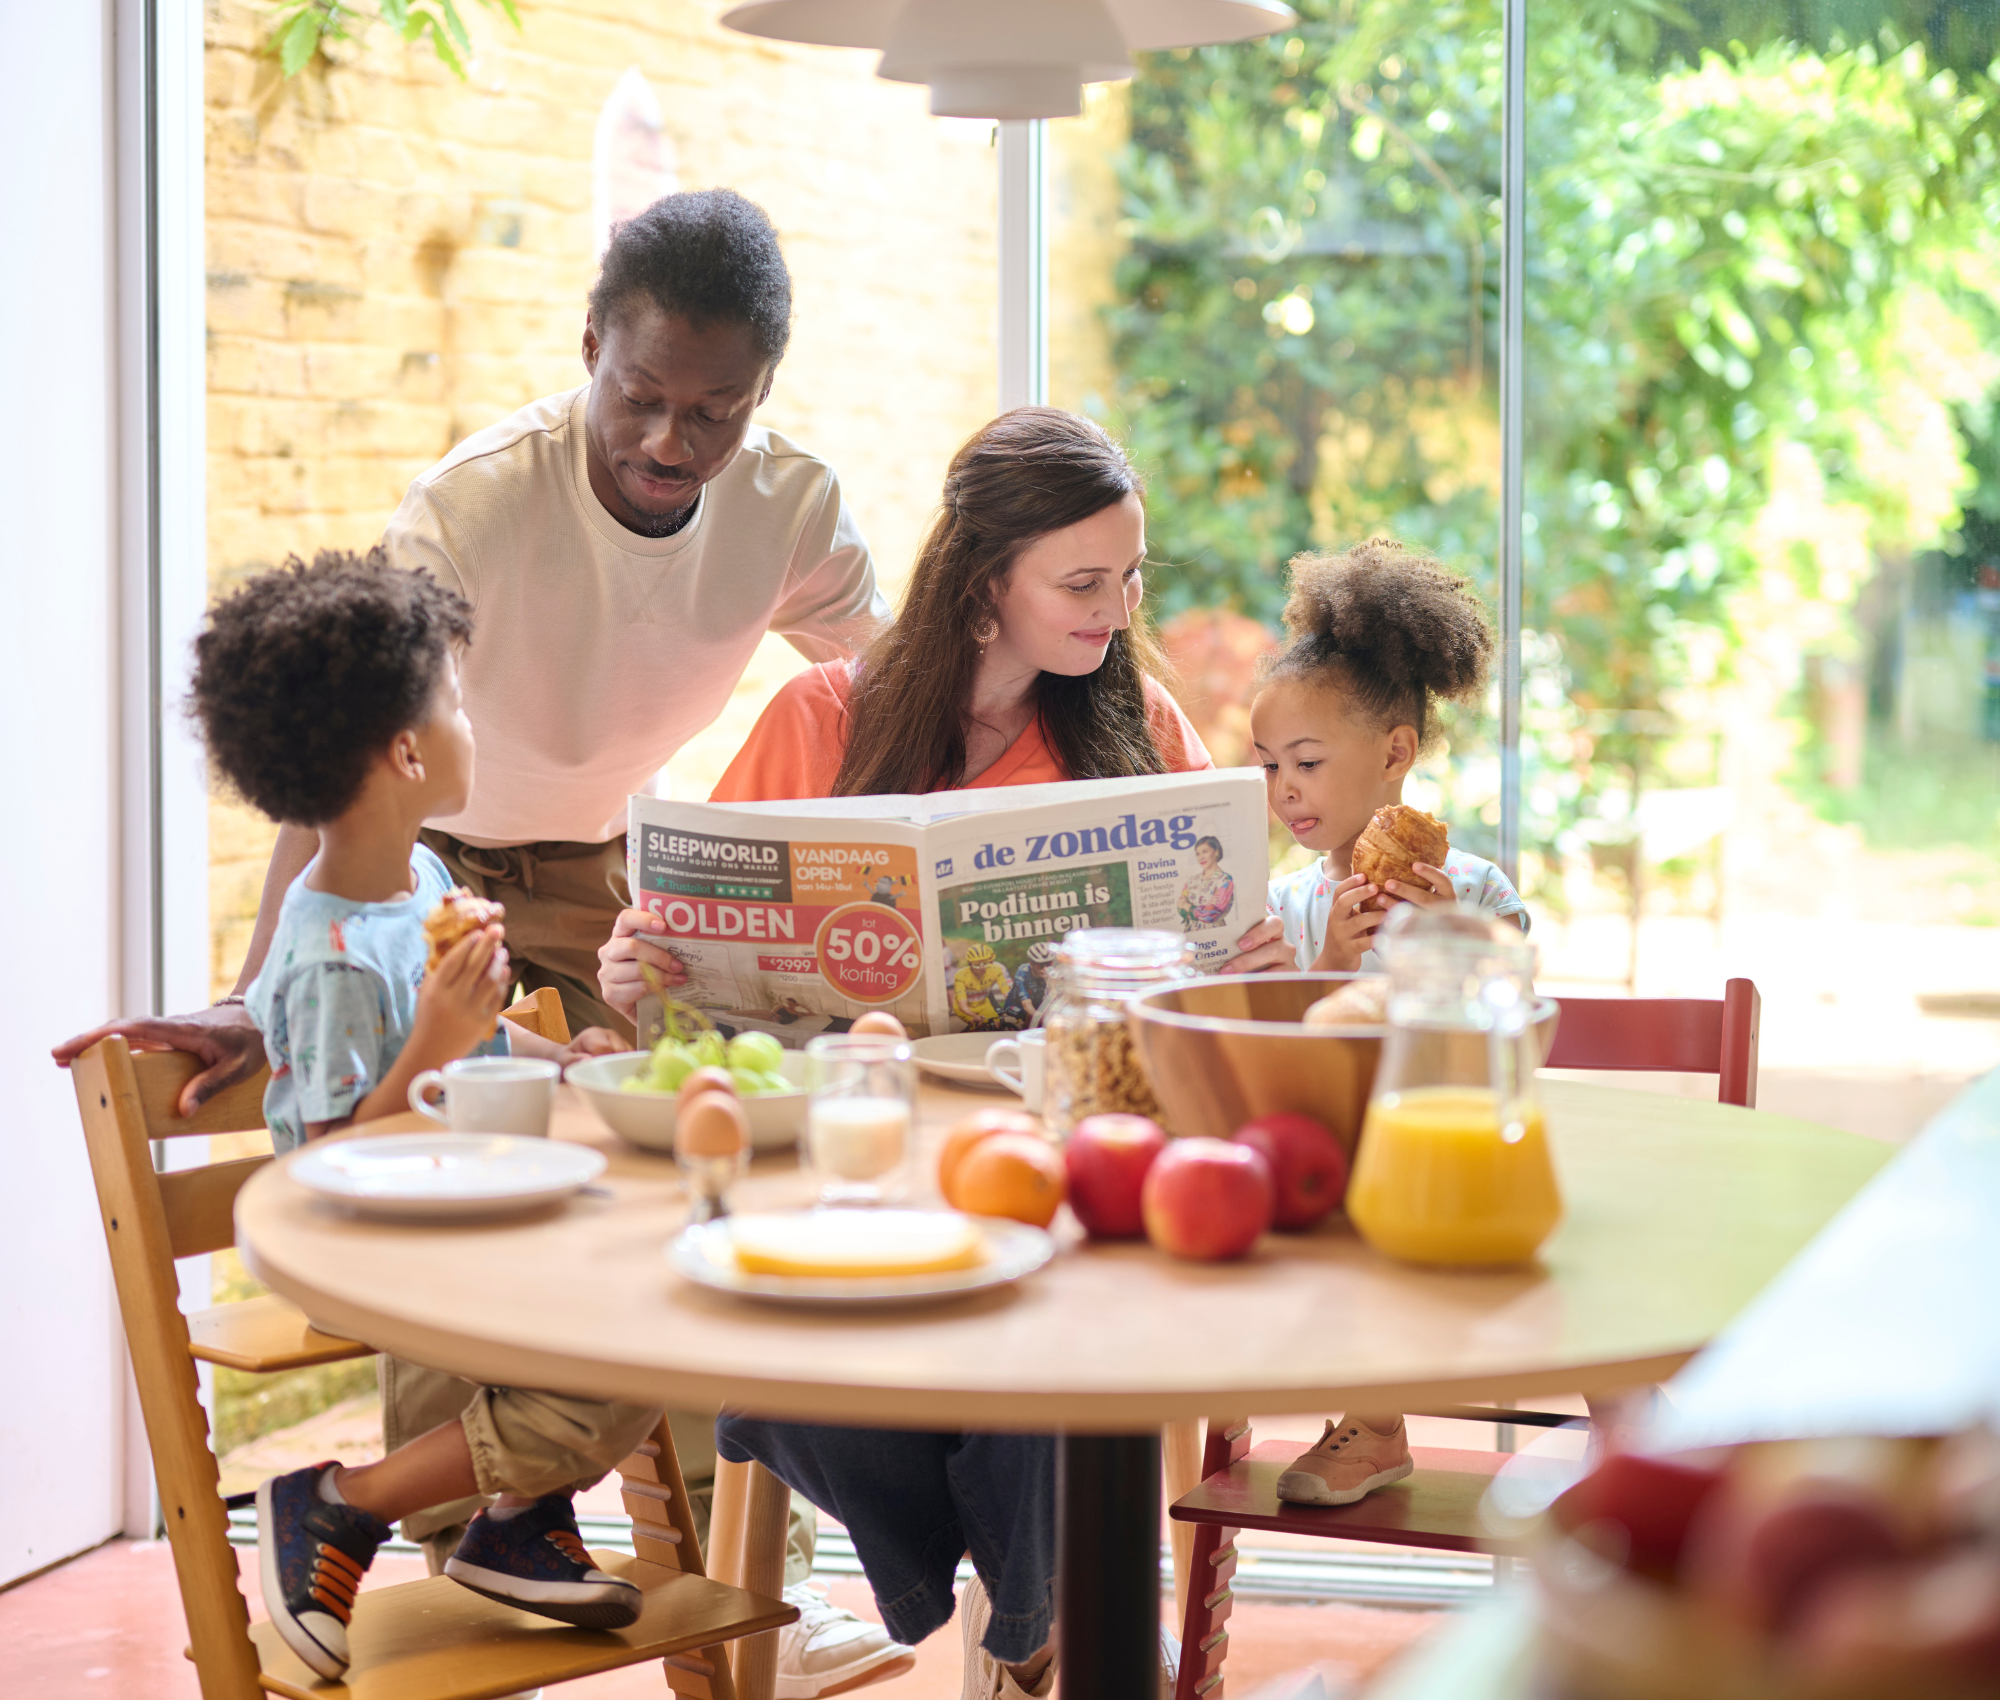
pixel 829 1651
pixel 987 1679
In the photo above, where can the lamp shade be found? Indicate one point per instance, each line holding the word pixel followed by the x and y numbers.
pixel 1008 58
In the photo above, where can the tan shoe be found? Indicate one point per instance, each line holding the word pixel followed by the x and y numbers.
pixel 1349 1460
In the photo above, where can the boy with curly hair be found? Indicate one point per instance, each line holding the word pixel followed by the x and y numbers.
pixel 329 697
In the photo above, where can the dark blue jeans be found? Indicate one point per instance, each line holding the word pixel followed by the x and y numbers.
pixel 915 1503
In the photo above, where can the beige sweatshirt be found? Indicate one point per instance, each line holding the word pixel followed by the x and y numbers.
pixel 596 653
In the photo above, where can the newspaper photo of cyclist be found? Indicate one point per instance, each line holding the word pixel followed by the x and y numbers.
pixel 1001 936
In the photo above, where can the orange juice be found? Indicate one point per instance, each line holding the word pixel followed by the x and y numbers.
pixel 1434 1181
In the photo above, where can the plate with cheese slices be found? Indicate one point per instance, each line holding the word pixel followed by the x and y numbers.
pixel 845 1257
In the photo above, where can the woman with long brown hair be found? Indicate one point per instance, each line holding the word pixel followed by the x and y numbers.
pixel 1021 655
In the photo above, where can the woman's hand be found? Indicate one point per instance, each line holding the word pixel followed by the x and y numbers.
pixel 622 960
pixel 591 1042
pixel 1349 924
pixel 1261 949
pixel 1436 889
pixel 462 997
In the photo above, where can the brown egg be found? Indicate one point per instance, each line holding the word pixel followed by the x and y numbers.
pixel 710 1126
pixel 706 1080
pixel 879 1021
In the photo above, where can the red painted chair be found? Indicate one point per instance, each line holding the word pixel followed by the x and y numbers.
pixel 1437 1507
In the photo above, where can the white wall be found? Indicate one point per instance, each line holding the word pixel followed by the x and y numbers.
pixel 61 1422
pixel 80 795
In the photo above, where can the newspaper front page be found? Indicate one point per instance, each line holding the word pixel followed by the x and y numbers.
pixel 795 918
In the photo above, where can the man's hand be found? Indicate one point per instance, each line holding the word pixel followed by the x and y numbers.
pixel 1349 926
pixel 461 998
pixel 622 961
pixel 1436 890
pixel 224 1038
pixel 591 1042
pixel 1261 949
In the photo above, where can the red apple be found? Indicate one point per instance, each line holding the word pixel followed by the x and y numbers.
pixel 1108 1158
pixel 1208 1199
pixel 1307 1165
pixel 1651 1502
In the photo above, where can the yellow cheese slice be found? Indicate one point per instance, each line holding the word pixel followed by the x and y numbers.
pixel 856 1242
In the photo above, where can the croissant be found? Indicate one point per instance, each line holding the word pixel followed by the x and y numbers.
pixel 458 913
pixel 1397 838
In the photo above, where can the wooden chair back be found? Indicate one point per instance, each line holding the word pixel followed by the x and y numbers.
pixel 540 1013
pixel 424 1641
pixel 127 1101
pixel 1667 1035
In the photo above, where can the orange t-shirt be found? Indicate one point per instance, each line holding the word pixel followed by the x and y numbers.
pixel 795 748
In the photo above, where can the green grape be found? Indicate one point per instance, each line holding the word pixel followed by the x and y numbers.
pixel 756 1052
pixel 709 1052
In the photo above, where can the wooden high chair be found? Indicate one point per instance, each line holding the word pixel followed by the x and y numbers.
pixel 1438 1506
pixel 429 1640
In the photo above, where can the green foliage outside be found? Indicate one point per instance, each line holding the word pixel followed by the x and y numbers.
pixel 1748 245
pixel 302 27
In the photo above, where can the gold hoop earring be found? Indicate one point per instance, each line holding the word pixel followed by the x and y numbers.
pixel 984 633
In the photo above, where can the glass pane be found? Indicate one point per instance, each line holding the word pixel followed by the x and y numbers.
pixel 1274 272
pixel 398 259
pixel 1763 497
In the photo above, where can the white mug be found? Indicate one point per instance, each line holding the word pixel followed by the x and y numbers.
pixel 1029 1052
pixel 490 1095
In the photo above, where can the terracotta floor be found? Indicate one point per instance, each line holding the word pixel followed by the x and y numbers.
pixel 107 1626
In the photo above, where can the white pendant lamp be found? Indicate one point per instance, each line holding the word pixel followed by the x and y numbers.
pixel 1009 58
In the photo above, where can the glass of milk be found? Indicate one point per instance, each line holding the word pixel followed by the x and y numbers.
pixel 861 1116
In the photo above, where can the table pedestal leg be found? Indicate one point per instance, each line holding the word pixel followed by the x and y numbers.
pixel 1108 1565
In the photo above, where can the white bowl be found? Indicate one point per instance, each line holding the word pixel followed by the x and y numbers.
pixel 646 1119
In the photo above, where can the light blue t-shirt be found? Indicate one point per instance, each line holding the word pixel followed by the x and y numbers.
pixel 338 996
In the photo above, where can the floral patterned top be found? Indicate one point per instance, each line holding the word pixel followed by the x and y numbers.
pixel 1304 900
pixel 337 998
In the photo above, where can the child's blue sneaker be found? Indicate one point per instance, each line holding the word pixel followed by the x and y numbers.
pixel 536 1560
pixel 312 1556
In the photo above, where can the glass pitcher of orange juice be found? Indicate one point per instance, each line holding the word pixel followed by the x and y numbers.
pixel 1453 1166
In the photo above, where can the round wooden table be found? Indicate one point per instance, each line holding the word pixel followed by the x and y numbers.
pixel 1678 1211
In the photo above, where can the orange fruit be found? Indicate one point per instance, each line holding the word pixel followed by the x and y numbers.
pixel 1018 1175
pixel 968 1132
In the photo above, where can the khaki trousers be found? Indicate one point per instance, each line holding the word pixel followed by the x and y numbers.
pixel 525 1442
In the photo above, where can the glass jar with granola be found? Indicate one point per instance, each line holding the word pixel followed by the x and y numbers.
pixel 1093 1065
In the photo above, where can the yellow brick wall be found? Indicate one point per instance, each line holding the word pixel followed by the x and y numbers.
pixel 397 259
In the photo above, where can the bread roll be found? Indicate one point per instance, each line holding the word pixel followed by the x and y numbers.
pixel 1395 841
pixel 1359 1003
pixel 458 913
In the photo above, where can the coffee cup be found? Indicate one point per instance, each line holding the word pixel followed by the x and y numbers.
pixel 489 1095
pixel 1027 1053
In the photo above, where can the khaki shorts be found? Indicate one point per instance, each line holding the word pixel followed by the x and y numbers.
pixel 525 1442
pixel 561 901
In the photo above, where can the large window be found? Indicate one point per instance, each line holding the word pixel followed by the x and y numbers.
pixel 398 259
pixel 1760 488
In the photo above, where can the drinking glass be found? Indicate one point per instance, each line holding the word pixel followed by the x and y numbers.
pixel 861 1116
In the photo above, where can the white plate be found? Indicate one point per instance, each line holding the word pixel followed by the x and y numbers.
pixel 705 1255
pixel 428 1176
pixel 646 1119
pixel 960 1057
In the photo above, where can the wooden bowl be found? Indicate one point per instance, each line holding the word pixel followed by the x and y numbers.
pixel 1223 1050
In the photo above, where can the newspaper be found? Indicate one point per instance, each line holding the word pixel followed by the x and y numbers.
pixel 795 918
